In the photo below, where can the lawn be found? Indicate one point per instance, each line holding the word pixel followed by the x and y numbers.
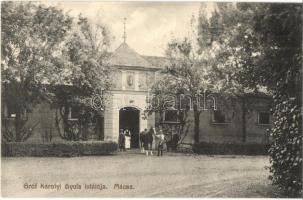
pixel 135 175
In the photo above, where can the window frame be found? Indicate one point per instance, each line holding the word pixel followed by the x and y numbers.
pixel 164 116
pixel 70 114
pixel 219 123
pixel 258 118
pixel 8 115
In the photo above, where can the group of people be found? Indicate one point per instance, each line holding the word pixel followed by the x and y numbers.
pixel 147 138
pixel 146 141
pixel 170 139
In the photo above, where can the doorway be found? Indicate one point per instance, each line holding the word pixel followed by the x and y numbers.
pixel 129 118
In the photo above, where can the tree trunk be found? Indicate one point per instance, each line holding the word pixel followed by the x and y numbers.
pixel 84 130
pixel 18 126
pixel 64 116
pixel 99 127
pixel 197 124
pixel 244 110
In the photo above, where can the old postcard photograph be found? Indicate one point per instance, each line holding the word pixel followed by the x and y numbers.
pixel 151 99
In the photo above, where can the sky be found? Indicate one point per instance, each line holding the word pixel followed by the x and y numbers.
pixel 149 25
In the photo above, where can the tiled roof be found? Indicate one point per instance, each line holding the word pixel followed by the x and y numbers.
pixel 157 61
pixel 125 56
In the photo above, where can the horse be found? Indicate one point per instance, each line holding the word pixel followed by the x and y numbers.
pixel 147 139
pixel 142 139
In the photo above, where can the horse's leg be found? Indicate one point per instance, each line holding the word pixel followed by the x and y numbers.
pixel 142 148
pixel 151 149
pixel 158 149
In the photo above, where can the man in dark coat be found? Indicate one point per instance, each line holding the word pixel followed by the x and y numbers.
pixel 148 139
pixel 175 140
pixel 161 138
pixel 168 141
pixel 121 140
pixel 142 139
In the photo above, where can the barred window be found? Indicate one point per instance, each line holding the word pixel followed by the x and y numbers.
pixel 219 117
pixel 11 111
pixel 171 116
pixel 263 118
pixel 74 112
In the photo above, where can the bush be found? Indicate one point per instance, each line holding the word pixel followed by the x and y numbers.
pixel 230 149
pixel 59 149
pixel 286 150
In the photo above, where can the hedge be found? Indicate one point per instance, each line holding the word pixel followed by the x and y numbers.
pixel 231 149
pixel 59 149
pixel 286 150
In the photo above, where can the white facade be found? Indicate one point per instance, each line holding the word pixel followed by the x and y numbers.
pixel 120 100
pixel 132 77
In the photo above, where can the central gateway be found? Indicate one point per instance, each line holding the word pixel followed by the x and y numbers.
pixel 129 118
pixel 133 76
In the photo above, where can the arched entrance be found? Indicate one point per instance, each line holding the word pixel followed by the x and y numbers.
pixel 129 118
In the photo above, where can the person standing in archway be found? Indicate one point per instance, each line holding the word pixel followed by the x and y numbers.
pixel 121 140
pixel 127 135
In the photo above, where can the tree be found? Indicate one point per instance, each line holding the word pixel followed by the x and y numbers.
pixel 280 33
pixel 31 36
pixel 237 48
pixel 87 74
pixel 194 69
pixel 168 95
pixel 190 75
pixel 263 47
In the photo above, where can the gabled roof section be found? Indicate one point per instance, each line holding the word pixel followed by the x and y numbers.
pixel 125 56
pixel 157 61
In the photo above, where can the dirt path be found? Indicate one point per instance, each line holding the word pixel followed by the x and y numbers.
pixel 169 176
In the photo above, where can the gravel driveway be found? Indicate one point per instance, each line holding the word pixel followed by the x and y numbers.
pixel 135 175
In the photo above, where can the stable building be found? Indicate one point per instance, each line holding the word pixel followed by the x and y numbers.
pixel 133 76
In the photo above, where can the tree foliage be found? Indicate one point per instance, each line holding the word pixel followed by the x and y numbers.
pixel 286 150
pixel 189 72
pixel 280 32
pixel 31 35
pixel 46 55
pixel 86 52
pixel 262 43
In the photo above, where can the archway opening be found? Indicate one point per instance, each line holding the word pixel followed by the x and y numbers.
pixel 129 118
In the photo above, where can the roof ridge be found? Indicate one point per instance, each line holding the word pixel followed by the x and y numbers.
pixel 124 55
